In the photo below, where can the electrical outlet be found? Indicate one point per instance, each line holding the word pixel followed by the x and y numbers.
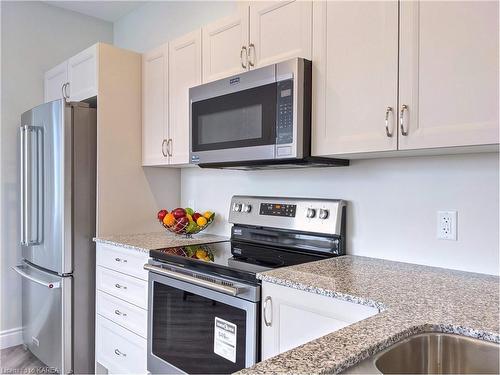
pixel 447 225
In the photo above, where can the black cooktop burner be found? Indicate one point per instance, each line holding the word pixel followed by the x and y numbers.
pixel 239 260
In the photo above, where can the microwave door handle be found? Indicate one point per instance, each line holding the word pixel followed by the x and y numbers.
pixel 226 289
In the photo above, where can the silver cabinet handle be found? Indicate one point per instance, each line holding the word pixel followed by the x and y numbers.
pixel 244 51
pixel 20 271
pixel 163 143
pixel 226 289
pixel 169 147
pixel 121 354
pixel 62 90
pixel 404 107
pixel 120 286
pixel 251 58
pixel 388 110
pixel 268 323
pixel 118 312
pixel 120 260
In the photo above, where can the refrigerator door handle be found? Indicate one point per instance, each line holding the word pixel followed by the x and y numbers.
pixel 31 158
pixel 23 193
pixel 20 271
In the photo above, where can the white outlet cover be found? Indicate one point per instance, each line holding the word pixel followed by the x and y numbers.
pixel 447 225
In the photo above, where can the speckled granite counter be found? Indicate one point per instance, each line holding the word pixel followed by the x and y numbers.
pixel 148 241
pixel 411 298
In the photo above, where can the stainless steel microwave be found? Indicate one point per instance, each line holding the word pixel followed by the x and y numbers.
pixel 257 119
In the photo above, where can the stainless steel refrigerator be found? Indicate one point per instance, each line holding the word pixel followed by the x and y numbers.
pixel 58 221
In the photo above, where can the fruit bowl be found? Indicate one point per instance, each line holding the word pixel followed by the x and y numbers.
pixel 185 221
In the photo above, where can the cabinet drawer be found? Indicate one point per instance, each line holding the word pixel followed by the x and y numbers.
pixel 122 260
pixel 127 288
pixel 127 315
pixel 119 350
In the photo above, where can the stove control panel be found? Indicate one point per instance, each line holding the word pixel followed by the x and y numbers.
pixel 303 214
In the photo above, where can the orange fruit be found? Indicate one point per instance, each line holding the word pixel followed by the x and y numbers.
pixel 202 221
pixel 169 220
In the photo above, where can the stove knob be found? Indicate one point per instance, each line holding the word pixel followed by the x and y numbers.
pixel 311 212
pixel 237 207
pixel 323 214
pixel 247 208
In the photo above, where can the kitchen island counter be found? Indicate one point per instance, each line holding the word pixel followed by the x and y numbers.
pixel 411 299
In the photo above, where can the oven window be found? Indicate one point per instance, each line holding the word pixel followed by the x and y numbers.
pixel 241 119
pixel 183 331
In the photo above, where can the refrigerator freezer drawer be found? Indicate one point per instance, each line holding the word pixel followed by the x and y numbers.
pixel 118 349
pixel 46 314
pixel 127 288
pixel 128 261
pixel 125 314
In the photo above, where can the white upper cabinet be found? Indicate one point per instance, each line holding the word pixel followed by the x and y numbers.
pixel 279 30
pixel 155 106
pixel 449 73
pixel 355 77
pixel 184 72
pixel 54 81
pixel 82 74
pixel 225 46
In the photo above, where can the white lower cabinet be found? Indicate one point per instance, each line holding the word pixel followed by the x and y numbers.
pixel 121 310
pixel 292 317
pixel 119 350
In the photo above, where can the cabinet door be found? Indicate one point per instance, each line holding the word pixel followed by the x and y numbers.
pixel 355 77
pixel 82 73
pixel 224 46
pixel 449 73
pixel 292 317
pixel 279 30
pixel 155 106
pixel 54 80
pixel 184 72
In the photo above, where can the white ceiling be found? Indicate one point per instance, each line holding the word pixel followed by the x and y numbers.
pixel 106 10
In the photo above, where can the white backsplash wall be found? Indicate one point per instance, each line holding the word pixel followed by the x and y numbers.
pixel 392 204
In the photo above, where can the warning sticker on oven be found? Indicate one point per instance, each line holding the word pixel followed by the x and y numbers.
pixel 225 339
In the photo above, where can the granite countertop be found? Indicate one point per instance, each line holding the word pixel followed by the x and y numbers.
pixel 157 240
pixel 411 298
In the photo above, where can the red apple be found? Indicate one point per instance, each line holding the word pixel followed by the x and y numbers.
pixel 179 212
pixel 195 216
pixel 181 224
pixel 161 214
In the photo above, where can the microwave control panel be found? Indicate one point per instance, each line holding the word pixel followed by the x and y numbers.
pixel 284 120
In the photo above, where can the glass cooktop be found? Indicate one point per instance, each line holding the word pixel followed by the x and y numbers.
pixel 234 259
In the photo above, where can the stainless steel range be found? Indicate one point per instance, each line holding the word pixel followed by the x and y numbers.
pixel 204 300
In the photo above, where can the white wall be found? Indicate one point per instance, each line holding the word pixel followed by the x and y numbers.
pixel 392 202
pixel 35 37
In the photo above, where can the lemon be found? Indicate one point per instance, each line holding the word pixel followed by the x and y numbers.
pixel 202 221
pixel 208 214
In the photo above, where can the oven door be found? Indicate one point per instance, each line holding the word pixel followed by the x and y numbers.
pixel 195 330
pixel 234 119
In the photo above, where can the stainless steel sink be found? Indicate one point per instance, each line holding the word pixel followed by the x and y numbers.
pixel 434 353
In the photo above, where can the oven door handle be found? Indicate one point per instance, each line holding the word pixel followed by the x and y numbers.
pixel 226 289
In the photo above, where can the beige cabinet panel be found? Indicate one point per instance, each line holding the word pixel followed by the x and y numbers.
pixel 184 72
pixel 225 46
pixel 279 30
pixel 82 74
pixel 54 80
pixel 355 67
pixel 449 73
pixel 155 106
